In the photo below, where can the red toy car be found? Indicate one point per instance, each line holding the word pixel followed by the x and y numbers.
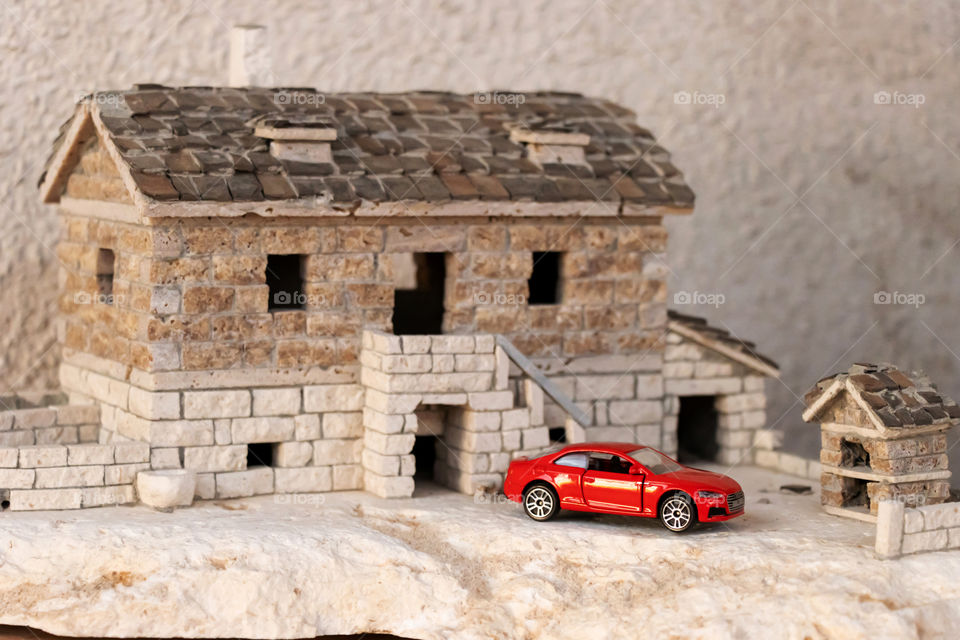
pixel 622 478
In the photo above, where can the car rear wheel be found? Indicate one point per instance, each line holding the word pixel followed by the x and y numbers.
pixel 677 512
pixel 540 502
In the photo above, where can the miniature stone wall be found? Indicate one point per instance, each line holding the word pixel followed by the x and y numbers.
pixel 191 295
pixel 314 431
pixel 70 476
pixel 691 369
pixel 46 418
pixel 902 530
pixel 622 395
pixel 477 441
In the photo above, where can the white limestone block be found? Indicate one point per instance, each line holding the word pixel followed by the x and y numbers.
pixel 82 454
pixel 293 454
pixel 388 486
pixel 166 489
pixel 330 452
pixel 44 456
pixel 123 473
pixel 416 344
pixel 166 458
pixel 216 404
pixel 246 430
pixel 17 478
pixel 216 458
pixel 181 433
pixel 481 420
pixel 890 528
pixel 45 499
pixel 56 477
pixel 154 405
pixel 306 427
pixel 490 400
pixel 243 484
pixel 452 344
pixel 303 480
pixel 343 425
pixel 515 419
pixel 276 401
pixel 623 412
pixel 124 452
pixel 9 456
pixel 333 397
pixel 105 496
pixel 347 477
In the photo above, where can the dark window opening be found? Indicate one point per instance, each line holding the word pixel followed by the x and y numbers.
pixel 697 429
pixel 260 454
pixel 852 454
pixel 544 281
pixel 4 499
pixel 106 264
pixel 285 280
pixel 4 505
pixel 425 456
pixel 853 493
pixel 558 434
pixel 418 303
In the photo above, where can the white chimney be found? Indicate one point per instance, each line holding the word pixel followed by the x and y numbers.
pixel 250 57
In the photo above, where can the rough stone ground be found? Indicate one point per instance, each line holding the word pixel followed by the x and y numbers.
pixel 445 565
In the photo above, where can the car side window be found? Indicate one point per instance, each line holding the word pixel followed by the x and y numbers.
pixel 608 463
pixel 578 460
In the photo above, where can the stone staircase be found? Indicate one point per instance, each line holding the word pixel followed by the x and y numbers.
pixel 456 388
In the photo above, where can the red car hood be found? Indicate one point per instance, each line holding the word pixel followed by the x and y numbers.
pixel 707 480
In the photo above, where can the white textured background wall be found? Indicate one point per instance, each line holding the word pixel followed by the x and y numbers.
pixel 811 197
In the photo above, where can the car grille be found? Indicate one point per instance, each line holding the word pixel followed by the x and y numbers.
pixel 735 502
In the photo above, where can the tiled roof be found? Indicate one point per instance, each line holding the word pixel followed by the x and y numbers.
pixel 721 337
pixel 897 399
pixel 198 143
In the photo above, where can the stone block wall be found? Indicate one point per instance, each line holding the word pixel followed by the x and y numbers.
pixel 191 295
pixel 690 369
pixel 70 476
pixel 622 395
pixel 313 432
pixel 903 530
pixel 477 440
pixel 46 418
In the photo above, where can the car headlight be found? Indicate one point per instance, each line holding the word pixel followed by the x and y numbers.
pixel 711 497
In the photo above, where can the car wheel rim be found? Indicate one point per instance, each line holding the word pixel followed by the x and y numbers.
pixel 676 513
pixel 539 502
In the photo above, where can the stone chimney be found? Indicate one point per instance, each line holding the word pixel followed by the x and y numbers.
pixel 250 57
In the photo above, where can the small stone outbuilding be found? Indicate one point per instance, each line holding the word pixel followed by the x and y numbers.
pixel 883 436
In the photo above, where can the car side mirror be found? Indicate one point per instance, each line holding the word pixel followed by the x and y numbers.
pixel 636 470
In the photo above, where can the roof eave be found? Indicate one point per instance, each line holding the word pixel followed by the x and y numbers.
pixel 758 365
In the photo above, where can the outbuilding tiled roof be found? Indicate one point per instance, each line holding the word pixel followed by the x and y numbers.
pixel 721 339
pixel 199 143
pixel 897 399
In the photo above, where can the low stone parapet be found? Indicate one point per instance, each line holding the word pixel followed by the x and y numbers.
pixel 46 418
pixel 70 476
pixel 903 530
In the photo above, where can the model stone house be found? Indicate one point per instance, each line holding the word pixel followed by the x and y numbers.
pixel 883 436
pixel 292 291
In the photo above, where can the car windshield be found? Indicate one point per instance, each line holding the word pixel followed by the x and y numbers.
pixel 655 461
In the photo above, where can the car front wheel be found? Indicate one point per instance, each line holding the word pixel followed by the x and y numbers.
pixel 677 512
pixel 540 502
